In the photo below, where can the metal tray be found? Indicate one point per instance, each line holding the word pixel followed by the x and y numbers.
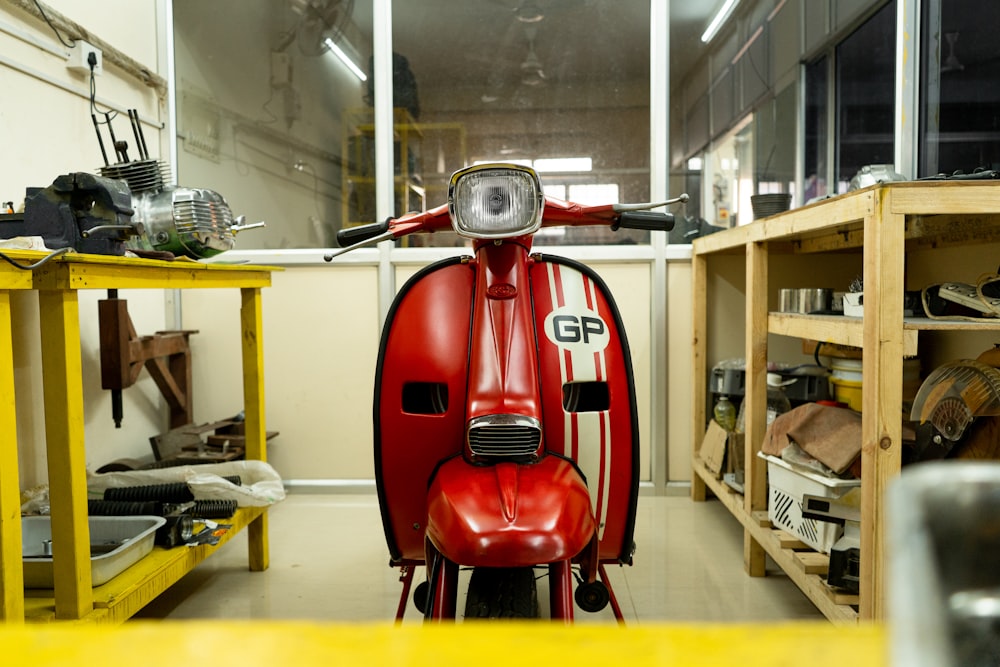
pixel 117 542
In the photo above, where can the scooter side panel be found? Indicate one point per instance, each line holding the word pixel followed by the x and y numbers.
pixel 581 341
pixel 424 350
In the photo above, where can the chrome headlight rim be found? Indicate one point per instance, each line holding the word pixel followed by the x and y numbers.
pixel 538 201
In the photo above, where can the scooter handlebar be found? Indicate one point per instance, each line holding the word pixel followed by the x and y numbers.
pixel 349 236
pixel 653 221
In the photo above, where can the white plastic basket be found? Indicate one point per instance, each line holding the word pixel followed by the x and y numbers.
pixel 785 488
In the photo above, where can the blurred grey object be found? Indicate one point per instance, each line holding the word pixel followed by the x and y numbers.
pixel 943 540
pixel 805 300
pixel 770 204
pixel 688 228
pixel 870 174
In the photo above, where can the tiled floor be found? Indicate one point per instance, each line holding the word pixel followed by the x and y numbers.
pixel 329 563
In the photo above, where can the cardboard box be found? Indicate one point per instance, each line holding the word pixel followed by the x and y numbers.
pixel 713 448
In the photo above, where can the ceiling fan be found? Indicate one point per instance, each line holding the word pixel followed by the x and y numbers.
pixel 317 20
pixel 951 62
pixel 532 73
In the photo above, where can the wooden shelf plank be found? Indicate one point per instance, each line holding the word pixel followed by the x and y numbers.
pixel 838 610
pixel 837 329
pixel 786 541
pixel 813 562
pixel 926 324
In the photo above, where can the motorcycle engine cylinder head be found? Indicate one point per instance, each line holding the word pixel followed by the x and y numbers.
pixel 140 175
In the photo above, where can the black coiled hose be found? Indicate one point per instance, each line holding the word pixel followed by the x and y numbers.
pixel 174 492
pixel 202 509
pixel 177 492
pixel 213 509
pixel 123 508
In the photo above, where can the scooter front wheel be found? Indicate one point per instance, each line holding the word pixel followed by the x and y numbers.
pixel 496 592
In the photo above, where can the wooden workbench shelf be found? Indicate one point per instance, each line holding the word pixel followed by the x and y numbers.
pixel 873 228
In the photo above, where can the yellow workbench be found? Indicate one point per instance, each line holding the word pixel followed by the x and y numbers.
pixel 58 283
pixel 11 576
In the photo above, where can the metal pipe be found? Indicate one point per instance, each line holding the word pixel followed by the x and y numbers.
pixel 100 141
pixel 139 144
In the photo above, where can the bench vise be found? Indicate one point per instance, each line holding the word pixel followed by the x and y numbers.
pixel 88 213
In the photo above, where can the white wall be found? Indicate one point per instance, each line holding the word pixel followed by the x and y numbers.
pixel 321 337
pixel 46 130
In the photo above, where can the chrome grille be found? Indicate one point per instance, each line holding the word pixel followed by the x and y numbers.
pixel 507 436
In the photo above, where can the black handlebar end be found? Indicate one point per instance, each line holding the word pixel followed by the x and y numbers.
pixel 652 221
pixel 348 236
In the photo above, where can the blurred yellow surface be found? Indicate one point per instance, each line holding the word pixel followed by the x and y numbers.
pixel 251 643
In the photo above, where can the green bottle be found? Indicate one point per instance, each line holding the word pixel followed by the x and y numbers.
pixel 725 413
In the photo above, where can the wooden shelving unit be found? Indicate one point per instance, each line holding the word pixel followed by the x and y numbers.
pixel 57 282
pixel 882 223
pixel 425 156
pixel 359 172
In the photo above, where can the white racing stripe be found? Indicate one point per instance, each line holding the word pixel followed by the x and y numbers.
pixel 587 434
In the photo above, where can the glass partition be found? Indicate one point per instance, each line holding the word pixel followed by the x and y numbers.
pixel 960 99
pixel 865 83
pixel 263 92
pixel 275 108
pixel 562 85
pixel 816 160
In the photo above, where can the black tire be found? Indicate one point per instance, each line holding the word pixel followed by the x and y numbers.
pixel 502 593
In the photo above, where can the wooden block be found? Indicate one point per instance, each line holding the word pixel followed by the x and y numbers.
pixel 787 541
pixel 812 562
pixel 835 595
pixel 760 518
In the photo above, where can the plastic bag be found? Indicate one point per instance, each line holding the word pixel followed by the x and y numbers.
pixel 261 484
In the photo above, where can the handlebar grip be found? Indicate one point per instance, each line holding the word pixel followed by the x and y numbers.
pixel 351 235
pixel 652 221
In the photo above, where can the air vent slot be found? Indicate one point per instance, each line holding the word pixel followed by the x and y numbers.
pixel 586 397
pixel 425 398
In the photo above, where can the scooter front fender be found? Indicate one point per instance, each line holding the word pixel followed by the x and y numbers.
pixel 509 514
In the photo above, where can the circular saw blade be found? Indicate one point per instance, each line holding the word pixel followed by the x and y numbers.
pixel 954 394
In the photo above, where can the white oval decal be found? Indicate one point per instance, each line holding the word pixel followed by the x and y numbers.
pixel 577 330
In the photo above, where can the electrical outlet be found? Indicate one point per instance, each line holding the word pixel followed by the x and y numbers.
pixel 79 58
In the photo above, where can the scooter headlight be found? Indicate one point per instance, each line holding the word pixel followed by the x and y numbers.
pixel 495 201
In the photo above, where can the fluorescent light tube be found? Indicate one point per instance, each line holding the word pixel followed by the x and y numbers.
pixel 563 164
pixel 719 20
pixel 337 51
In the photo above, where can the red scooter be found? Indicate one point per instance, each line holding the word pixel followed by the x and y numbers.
pixel 506 434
